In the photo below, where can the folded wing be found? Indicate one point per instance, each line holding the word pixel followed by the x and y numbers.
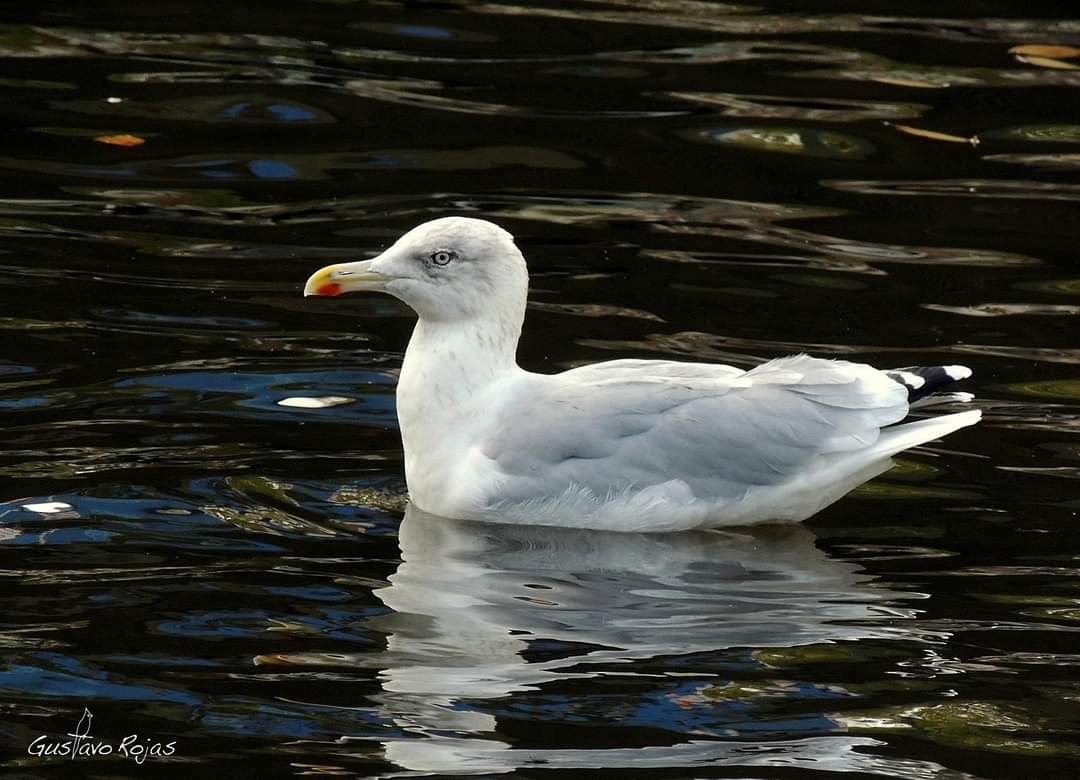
pixel 629 424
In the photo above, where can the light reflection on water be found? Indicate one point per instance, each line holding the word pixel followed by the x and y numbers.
pixel 202 531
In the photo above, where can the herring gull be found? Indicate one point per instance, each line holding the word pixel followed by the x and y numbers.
pixel 631 445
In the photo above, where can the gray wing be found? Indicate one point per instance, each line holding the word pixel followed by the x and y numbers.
pixel 630 424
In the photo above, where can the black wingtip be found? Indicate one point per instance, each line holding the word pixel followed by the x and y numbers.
pixel 922 381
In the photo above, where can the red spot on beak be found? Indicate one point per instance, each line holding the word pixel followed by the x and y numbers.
pixel 329 289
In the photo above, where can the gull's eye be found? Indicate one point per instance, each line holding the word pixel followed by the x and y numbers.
pixel 443 256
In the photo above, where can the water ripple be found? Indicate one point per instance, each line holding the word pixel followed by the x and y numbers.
pixel 202 537
pixel 962 188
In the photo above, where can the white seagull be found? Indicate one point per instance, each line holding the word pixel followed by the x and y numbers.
pixel 630 445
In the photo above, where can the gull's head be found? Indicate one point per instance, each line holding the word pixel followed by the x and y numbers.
pixel 448 269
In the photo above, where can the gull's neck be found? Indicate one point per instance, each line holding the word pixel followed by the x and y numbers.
pixel 445 388
pixel 462 356
pixel 448 367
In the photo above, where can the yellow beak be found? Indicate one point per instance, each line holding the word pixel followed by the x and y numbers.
pixel 345 277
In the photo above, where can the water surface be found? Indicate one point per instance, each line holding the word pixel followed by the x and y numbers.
pixel 192 555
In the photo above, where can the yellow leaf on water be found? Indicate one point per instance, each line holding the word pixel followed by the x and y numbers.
pixel 1045 50
pixel 936 136
pixel 120 140
pixel 1046 62
pixel 902 82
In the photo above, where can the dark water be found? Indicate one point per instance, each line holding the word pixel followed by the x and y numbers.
pixel 192 562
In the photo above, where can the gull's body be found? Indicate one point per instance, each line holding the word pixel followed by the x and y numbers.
pixel 636 445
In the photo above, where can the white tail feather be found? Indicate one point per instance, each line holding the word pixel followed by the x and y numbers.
pixel 901 437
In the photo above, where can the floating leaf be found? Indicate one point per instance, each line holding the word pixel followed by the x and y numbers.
pixel 936 136
pixel 1045 50
pixel 120 140
pixel 906 82
pixel 1047 62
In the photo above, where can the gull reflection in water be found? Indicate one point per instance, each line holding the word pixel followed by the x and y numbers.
pixel 470 599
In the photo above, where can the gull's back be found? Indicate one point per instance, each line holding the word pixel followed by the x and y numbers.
pixel 663 445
